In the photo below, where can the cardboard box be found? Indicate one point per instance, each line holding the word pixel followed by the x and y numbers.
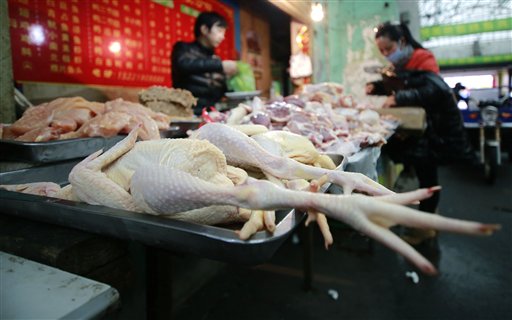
pixel 411 118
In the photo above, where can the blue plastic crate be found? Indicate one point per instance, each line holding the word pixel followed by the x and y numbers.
pixel 473 117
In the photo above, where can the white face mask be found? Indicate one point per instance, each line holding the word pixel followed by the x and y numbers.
pixel 400 56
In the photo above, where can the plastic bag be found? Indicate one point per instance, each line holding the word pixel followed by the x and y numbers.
pixel 243 80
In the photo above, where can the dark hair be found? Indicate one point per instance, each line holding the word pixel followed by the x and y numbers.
pixel 208 19
pixel 459 86
pixel 395 32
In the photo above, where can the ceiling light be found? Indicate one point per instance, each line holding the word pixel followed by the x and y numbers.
pixel 317 12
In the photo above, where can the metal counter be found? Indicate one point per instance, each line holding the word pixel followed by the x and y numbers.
pixel 31 290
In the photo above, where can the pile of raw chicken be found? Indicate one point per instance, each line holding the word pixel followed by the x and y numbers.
pixel 331 120
pixel 207 178
pixel 66 118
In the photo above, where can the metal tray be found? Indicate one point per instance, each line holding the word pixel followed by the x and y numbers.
pixel 179 128
pixel 214 242
pixel 242 95
pixel 61 150
pixel 219 243
pixel 53 151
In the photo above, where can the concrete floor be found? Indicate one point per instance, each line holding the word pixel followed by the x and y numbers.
pixel 475 280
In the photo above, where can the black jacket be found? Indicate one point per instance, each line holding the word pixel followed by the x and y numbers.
pixel 445 138
pixel 198 70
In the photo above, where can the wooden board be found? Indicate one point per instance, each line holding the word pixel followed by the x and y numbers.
pixel 411 118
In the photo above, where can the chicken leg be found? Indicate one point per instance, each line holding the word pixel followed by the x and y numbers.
pixel 241 150
pixel 91 185
pixel 179 191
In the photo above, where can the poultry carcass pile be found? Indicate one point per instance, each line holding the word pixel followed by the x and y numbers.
pixel 66 118
pixel 200 179
pixel 331 120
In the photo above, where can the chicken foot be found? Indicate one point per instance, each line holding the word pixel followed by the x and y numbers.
pixel 320 218
pixel 241 150
pixel 180 191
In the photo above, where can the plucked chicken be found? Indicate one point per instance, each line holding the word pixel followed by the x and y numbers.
pixel 176 178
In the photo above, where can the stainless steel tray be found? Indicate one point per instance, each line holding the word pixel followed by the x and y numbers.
pixel 214 242
pixel 179 128
pixel 219 243
pixel 53 151
pixel 61 150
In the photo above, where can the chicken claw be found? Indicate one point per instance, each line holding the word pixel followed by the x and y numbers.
pixel 243 151
pixel 180 191
pixel 320 218
pixel 255 220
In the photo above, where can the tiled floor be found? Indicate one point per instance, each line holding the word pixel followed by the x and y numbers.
pixel 370 281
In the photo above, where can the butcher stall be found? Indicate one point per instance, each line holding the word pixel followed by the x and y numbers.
pixel 320 122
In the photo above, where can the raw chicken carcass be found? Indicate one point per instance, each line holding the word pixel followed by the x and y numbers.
pixel 121 117
pixel 139 111
pixel 75 112
pixel 105 125
pixel 40 134
pixel 172 189
pixel 294 146
pixel 75 117
pixel 62 115
pixel 106 180
pixel 243 151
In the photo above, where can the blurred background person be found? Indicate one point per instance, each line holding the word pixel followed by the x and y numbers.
pixel 413 79
pixel 196 68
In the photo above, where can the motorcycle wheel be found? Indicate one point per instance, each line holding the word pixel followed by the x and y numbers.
pixel 490 165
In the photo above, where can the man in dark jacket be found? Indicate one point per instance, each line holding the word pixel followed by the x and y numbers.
pixel 196 68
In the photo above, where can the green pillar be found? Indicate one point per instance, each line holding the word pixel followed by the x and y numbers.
pixel 344 41
pixel 321 66
pixel 7 110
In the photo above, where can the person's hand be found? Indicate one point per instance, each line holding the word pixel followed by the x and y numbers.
pixel 229 67
pixel 390 102
pixel 369 88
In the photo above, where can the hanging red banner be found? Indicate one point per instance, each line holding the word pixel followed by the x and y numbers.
pixel 103 42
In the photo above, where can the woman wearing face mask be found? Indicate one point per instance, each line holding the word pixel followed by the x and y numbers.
pixel 396 43
pixel 412 80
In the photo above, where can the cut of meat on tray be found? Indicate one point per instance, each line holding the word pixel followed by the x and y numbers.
pixel 66 118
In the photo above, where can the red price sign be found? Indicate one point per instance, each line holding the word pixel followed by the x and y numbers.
pixel 103 42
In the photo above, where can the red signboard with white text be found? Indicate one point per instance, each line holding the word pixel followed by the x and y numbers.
pixel 104 42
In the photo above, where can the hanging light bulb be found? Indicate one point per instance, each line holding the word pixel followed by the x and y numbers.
pixel 317 12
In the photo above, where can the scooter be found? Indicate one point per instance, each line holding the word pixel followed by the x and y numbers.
pixel 490 141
